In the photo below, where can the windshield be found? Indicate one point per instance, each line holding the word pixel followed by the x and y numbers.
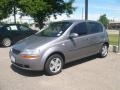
pixel 54 29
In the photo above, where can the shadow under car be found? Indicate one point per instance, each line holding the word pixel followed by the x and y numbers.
pixel 41 73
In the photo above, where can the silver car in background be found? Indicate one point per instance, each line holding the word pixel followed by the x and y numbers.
pixel 60 43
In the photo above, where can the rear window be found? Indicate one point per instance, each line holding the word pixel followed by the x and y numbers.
pixel 94 27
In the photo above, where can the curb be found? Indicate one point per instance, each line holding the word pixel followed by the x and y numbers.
pixel 113 48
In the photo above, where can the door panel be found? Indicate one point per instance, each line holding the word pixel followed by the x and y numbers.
pixel 95 31
pixel 82 47
pixel 78 47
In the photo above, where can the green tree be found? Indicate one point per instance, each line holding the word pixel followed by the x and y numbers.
pixel 104 20
pixel 5 8
pixel 41 10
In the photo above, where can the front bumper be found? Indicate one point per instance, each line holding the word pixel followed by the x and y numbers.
pixel 26 64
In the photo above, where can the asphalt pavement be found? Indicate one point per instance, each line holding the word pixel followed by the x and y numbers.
pixel 91 73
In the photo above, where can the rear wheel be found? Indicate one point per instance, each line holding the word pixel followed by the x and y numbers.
pixel 6 42
pixel 103 51
pixel 54 64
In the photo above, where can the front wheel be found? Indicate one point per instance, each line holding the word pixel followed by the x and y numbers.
pixel 6 42
pixel 54 64
pixel 104 51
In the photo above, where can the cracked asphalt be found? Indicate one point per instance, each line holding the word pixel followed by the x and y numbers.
pixel 91 73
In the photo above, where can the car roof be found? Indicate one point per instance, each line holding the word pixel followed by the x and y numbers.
pixel 76 21
pixel 5 25
pixel 11 24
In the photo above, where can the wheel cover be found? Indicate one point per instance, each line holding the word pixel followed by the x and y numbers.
pixel 7 42
pixel 55 65
pixel 104 50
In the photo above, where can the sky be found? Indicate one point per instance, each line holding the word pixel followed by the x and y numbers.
pixel 96 8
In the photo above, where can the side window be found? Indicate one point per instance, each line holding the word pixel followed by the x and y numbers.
pixel 80 29
pixel 23 28
pixel 94 27
pixel 12 28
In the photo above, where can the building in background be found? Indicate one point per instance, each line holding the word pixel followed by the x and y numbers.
pixel 19 19
pixel 114 25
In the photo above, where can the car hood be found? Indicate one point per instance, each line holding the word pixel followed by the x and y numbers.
pixel 32 42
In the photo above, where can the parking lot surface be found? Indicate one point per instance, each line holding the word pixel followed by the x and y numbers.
pixel 86 74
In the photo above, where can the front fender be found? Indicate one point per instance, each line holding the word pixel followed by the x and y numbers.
pixel 47 53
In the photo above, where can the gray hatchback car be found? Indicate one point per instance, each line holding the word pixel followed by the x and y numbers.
pixel 60 43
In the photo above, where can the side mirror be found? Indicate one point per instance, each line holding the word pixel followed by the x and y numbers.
pixel 73 35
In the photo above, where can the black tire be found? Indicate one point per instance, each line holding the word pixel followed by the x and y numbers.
pixel 48 65
pixel 6 42
pixel 103 51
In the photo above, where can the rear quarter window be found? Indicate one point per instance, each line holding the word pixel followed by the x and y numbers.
pixel 94 27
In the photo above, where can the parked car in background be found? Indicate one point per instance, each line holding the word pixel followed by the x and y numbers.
pixel 11 33
pixel 60 43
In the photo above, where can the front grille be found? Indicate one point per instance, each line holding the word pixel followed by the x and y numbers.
pixel 16 51
pixel 21 65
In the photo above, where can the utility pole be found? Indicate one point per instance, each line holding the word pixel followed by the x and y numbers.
pixel 119 42
pixel 86 9
pixel 82 13
pixel 14 14
pixel 14 10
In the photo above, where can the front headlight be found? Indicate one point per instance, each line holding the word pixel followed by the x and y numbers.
pixel 30 54
pixel 11 48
